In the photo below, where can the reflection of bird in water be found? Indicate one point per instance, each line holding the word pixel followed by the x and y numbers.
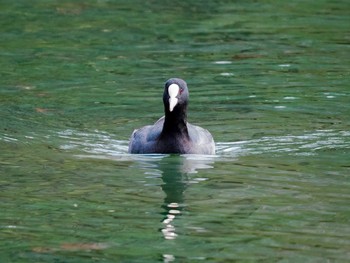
pixel 176 170
pixel 177 173
pixel 174 185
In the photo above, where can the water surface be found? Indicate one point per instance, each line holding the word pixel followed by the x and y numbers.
pixel 269 80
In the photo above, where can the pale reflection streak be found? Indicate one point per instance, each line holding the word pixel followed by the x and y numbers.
pixel 169 230
pixel 168 258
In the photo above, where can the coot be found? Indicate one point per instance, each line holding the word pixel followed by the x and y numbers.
pixel 172 133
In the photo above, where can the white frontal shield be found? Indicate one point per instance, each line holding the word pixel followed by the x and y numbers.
pixel 173 91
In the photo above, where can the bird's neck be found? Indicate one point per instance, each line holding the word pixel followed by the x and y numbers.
pixel 175 123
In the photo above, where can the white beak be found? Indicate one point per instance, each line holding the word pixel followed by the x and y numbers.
pixel 173 91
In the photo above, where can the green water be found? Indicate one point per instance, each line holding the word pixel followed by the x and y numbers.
pixel 269 79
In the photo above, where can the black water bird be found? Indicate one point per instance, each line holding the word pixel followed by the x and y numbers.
pixel 172 133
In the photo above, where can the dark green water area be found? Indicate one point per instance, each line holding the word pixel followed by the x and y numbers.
pixel 269 79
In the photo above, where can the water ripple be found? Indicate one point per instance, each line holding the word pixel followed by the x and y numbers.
pixel 307 144
pixel 96 143
pixel 101 143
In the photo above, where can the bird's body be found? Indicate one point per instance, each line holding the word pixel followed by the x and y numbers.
pixel 172 133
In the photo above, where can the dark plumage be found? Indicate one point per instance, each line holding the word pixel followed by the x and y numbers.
pixel 172 133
